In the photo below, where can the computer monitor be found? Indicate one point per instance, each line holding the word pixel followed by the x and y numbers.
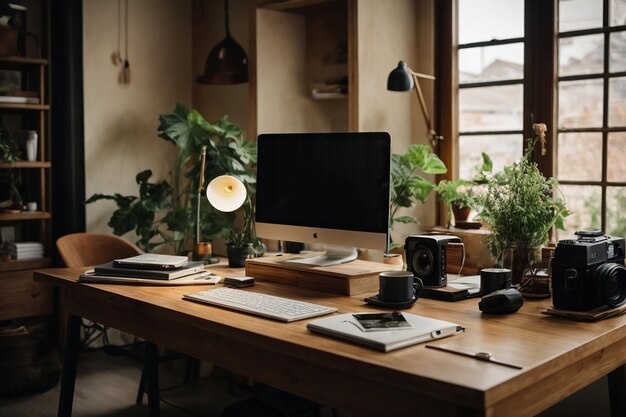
pixel 330 188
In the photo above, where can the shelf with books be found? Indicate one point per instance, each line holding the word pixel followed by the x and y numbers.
pixel 25 175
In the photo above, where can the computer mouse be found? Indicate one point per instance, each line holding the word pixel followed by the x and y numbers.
pixel 504 301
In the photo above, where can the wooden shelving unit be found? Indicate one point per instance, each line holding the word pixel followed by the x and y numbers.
pixel 20 296
pixel 302 44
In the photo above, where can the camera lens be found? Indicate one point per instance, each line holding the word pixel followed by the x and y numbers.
pixel 611 280
pixel 423 261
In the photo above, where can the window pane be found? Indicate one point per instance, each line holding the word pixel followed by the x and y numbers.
pixel 579 14
pixel 580 156
pixel 617 52
pixel 491 108
pixel 491 63
pixel 617 102
pixel 585 203
pixel 581 55
pixel 618 12
pixel 580 103
pixel 484 20
pixel 616 155
pixel 503 150
pixel 615 214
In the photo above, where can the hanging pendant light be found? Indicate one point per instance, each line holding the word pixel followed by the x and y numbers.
pixel 227 62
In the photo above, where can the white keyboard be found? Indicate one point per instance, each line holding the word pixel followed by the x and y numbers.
pixel 278 308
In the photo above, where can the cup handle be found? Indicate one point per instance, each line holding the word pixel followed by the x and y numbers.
pixel 417 286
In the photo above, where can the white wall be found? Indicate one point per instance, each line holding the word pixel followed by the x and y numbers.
pixel 386 36
pixel 121 119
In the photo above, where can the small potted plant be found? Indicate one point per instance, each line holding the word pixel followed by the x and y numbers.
pixel 458 197
pixel 242 244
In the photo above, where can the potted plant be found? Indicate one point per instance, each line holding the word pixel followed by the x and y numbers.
pixel 239 243
pixel 459 196
pixel 407 184
pixel 520 208
pixel 165 212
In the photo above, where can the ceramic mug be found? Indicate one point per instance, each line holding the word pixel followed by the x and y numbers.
pixel 493 279
pixel 398 286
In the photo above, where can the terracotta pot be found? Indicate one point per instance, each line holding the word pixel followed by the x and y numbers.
pixel 461 214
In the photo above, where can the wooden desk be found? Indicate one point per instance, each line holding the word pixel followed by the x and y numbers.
pixel 558 356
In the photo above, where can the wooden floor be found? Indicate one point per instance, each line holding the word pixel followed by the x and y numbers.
pixel 107 385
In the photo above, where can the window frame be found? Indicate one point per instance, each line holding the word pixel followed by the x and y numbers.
pixel 540 83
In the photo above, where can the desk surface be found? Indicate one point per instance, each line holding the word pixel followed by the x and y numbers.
pixel 558 356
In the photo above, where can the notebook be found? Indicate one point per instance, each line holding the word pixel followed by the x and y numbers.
pixel 201 278
pixel 346 327
pixel 152 261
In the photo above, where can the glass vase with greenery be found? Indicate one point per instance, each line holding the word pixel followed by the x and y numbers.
pixel 520 208
pixel 165 212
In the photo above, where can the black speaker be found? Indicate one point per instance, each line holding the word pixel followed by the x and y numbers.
pixel 426 258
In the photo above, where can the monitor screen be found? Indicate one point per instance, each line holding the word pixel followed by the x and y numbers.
pixel 330 188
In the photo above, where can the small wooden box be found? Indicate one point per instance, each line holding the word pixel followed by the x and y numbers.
pixel 351 278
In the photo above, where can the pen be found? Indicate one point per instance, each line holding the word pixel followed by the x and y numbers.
pixel 481 356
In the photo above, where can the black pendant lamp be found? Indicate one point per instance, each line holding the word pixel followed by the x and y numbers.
pixel 227 62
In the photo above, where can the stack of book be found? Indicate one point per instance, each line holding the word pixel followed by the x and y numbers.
pixel 152 269
pixel 24 250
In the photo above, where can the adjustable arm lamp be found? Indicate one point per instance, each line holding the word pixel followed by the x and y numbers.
pixel 403 78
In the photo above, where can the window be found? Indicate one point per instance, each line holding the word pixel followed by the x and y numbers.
pixel 491 76
pixel 591 138
pixel 506 75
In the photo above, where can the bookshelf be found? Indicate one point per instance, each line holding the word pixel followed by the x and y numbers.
pixel 20 296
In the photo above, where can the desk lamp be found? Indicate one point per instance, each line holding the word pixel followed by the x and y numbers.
pixel 226 193
pixel 403 78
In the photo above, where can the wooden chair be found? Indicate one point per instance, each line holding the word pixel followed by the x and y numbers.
pixel 90 249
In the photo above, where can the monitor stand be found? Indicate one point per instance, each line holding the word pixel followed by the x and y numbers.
pixel 334 255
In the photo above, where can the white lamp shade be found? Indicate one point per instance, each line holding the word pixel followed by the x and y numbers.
pixel 226 193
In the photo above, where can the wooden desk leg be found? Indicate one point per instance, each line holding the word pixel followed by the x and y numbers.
pixel 617 391
pixel 152 368
pixel 70 359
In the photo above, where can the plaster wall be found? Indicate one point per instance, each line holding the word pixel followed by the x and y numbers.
pixel 387 35
pixel 121 119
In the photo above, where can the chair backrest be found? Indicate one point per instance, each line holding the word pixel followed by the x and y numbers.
pixel 89 249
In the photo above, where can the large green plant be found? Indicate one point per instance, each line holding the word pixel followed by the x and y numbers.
pixel 165 212
pixel 407 184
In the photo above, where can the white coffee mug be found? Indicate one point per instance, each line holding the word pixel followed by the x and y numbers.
pixel 32 206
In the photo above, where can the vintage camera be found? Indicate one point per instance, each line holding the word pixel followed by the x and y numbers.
pixel 588 272
pixel 426 257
